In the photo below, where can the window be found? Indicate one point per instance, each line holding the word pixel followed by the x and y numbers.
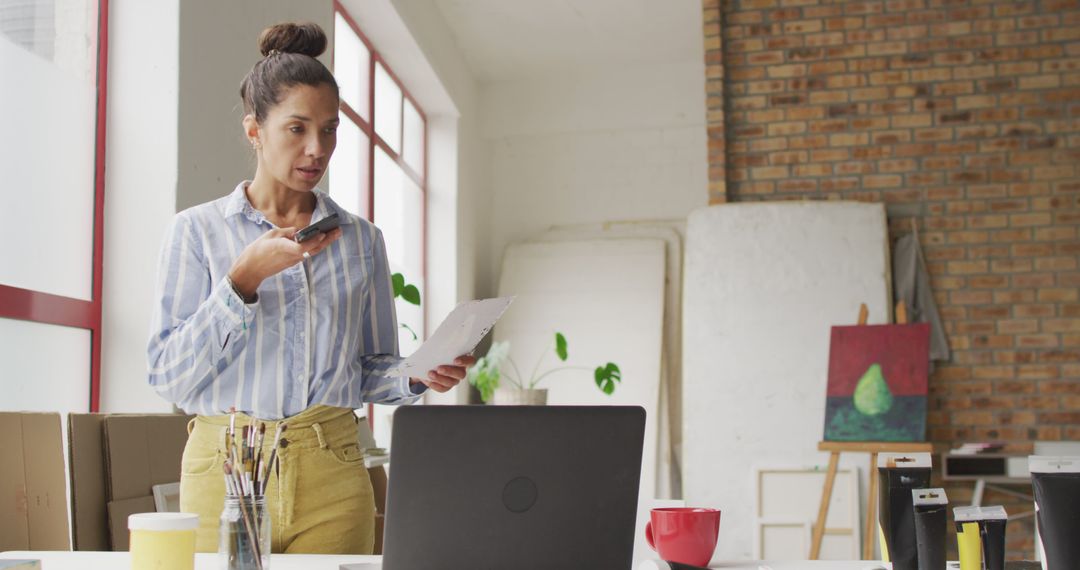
pixel 52 57
pixel 379 171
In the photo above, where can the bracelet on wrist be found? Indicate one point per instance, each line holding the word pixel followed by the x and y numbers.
pixel 247 300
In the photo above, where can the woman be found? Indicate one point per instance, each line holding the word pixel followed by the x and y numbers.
pixel 247 319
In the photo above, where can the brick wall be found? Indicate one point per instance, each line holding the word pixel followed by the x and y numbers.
pixel 963 116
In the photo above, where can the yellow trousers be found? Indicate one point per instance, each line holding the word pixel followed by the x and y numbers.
pixel 320 498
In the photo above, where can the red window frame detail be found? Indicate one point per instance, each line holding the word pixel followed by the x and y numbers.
pixel 40 307
pixel 419 178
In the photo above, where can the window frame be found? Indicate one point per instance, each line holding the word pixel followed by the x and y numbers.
pixel 47 308
pixel 375 140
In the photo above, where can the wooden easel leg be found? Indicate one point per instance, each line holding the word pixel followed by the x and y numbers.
pixel 871 511
pixel 823 510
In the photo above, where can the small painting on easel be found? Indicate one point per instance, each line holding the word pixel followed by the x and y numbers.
pixel 877 383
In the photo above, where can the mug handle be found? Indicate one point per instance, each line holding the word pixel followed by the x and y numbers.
pixel 649 535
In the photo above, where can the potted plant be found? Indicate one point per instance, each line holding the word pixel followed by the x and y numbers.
pixel 488 373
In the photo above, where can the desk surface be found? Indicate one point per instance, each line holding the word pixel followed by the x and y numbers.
pixel 121 561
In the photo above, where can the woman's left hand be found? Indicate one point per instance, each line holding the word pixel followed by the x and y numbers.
pixel 446 376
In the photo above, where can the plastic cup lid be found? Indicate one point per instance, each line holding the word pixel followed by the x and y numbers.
pixel 163 521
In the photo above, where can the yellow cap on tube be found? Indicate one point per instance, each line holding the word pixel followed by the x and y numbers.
pixel 968 541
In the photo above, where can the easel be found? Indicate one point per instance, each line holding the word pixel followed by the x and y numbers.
pixel 873 448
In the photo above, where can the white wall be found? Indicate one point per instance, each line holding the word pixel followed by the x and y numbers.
pixel 217 47
pixel 616 144
pixel 459 203
pixel 174 140
pixel 140 189
pixel 458 161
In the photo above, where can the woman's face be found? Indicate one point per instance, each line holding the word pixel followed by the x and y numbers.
pixel 298 136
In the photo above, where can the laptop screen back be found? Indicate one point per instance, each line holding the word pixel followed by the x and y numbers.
pixel 513 487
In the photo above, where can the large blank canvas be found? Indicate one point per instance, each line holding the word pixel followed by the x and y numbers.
pixel 764 284
pixel 607 297
pixel 669 415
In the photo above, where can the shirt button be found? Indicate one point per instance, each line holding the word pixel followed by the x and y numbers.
pixel 299 378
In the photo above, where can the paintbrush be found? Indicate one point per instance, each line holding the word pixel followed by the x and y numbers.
pixel 272 462
pixel 252 533
pixel 255 471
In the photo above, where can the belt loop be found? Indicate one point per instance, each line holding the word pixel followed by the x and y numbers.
pixel 190 425
pixel 319 434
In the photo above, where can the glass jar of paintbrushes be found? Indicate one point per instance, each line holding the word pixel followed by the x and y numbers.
pixel 244 541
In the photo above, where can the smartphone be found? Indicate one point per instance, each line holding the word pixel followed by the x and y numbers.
pixel 322 226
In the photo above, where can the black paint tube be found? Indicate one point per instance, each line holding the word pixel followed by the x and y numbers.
pixel 930 509
pixel 1056 481
pixel 900 474
pixel 992 532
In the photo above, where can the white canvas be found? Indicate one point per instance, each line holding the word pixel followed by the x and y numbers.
pixel 764 284
pixel 793 494
pixel 607 298
pixel 669 416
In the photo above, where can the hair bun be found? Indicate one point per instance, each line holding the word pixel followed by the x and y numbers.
pixel 304 37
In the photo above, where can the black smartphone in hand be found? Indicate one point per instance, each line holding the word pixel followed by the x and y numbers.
pixel 322 226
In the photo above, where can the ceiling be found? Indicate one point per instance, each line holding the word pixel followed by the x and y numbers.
pixel 515 39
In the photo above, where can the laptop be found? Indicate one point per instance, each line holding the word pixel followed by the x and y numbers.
pixel 522 487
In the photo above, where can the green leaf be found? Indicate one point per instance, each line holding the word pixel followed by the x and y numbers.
pixel 484 375
pixel 607 376
pixel 560 346
pixel 411 294
pixel 399 284
pixel 412 332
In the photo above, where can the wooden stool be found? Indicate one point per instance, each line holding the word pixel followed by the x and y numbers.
pixel 873 448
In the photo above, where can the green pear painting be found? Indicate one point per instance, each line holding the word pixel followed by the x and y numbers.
pixel 877 383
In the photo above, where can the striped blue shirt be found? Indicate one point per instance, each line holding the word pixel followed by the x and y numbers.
pixel 320 332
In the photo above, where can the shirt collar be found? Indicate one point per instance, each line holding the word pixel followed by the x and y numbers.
pixel 238 204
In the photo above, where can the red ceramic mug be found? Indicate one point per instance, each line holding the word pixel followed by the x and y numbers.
pixel 686 535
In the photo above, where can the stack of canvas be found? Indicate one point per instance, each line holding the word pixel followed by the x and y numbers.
pixel 669 413
pixel 606 294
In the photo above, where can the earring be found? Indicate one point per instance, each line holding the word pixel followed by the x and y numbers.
pixel 255 144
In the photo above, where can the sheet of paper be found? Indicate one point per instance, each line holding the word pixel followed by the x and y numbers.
pixel 458 334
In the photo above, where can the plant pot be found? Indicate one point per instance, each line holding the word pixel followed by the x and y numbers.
pixel 518 397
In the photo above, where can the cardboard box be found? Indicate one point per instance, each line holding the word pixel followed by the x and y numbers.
pixel 33 489
pixel 140 451
pixel 119 511
pixel 86 450
pixel 378 485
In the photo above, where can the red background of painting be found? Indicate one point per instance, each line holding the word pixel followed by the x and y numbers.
pixel 903 351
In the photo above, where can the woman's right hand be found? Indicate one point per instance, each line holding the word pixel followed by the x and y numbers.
pixel 272 253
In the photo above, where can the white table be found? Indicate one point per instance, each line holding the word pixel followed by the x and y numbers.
pixel 121 561
pixel 203 561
